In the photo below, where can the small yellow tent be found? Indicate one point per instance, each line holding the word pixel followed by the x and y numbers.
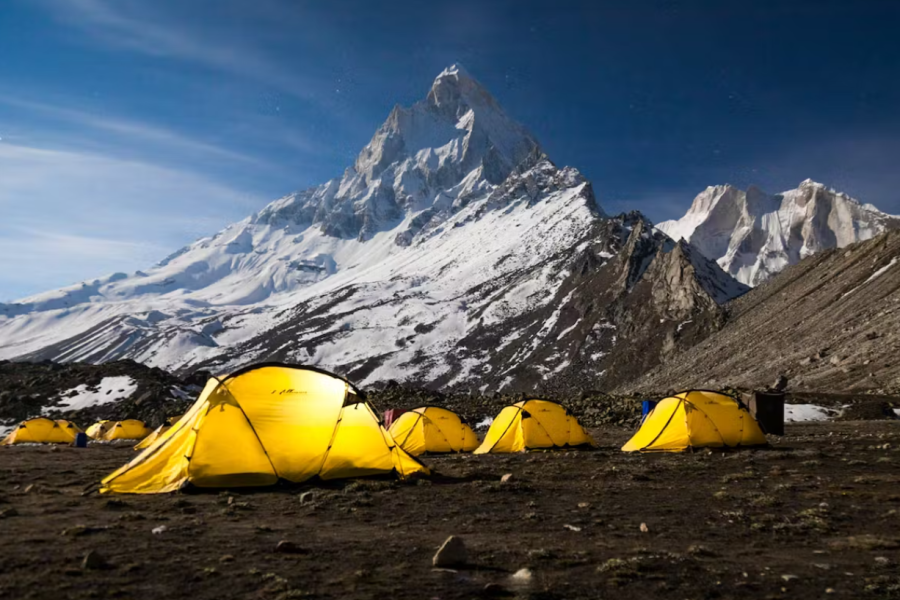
pixel 154 435
pixel 96 431
pixel 533 424
pixel 432 429
pixel 107 431
pixel 265 423
pixel 696 419
pixel 41 431
pixel 129 429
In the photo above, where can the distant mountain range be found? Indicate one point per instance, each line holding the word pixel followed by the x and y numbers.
pixel 753 235
pixel 453 253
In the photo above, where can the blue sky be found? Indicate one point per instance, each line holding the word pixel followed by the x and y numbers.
pixel 131 127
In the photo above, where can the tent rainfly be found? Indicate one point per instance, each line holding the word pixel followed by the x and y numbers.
pixel 264 423
pixel 156 433
pixel 41 431
pixel 534 424
pixel 433 429
pixel 696 419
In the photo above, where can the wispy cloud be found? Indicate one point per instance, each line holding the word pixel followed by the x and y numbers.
pixel 135 131
pixel 152 30
pixel 69 216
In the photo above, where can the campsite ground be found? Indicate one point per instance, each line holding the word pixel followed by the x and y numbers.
pixel 817 515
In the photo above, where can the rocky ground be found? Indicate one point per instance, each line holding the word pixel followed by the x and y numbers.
pixel 28 388
pixel 815 516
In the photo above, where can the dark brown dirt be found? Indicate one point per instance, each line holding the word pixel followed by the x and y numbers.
pixel 820 511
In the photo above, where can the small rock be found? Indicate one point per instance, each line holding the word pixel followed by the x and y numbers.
pixel 288 547
pixel 158 530
pixel 94 560
pixel 584 504
pixel 8 512
pixel 520 578
pixel 571 527
pixel 494 590
pixel 780 384
pixel 506 478
pixel 452 553
pixel 882 560
pixel 227 558
pixel 789 577
pixel 644 528
pixel 28 488
pixel 699 550
pixel 306 497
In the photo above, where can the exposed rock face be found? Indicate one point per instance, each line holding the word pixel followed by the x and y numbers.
pixel 753 235
pixel 829 323
pixel 612 302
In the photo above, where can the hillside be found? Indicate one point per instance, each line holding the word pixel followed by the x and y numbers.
pixel 829 323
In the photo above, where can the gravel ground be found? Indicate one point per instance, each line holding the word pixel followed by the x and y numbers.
pixel 815 516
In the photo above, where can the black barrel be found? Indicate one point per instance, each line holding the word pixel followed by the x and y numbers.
pixel 768 410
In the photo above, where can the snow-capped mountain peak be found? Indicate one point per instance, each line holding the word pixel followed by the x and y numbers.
pixel 452 252
pixel 753 235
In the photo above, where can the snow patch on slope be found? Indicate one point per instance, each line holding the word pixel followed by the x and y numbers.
pixel 110 389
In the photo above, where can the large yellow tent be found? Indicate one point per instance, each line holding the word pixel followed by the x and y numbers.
pixel 433 429
pixel 265 423
pixel 69 426
pixel 532 424
pixel 156 433
pixel 41 431
pixel 696 419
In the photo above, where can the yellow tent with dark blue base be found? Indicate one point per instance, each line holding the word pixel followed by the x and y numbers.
pixel 265 423
pixel 433 429
pixel 696 419
pixel 534 424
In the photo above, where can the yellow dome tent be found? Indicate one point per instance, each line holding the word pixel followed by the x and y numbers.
pixel 432 429
pixel 96 431
pixel 41 431
pixel 69 426
pixel 129 429
pixel 107 431
pixel 264 423
pixel 696 419
pixel 154 435
pixel 532 424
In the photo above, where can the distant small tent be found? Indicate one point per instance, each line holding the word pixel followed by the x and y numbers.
pixel 156 433
pixel 108 431
pixel 41 431
pixel 696 419
pixel 262 424
pixel 534 424
pixel 433 429
pixel 96 431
